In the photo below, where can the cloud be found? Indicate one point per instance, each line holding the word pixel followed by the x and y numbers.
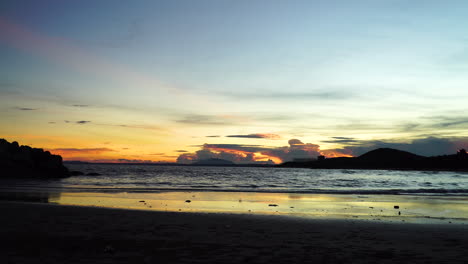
pixel 134 161
pixel 26 108
pixel 80 151
pixel 214 136
pixel 296 150
pixel 241 153
pixel 80 105
pixel 267 136
pixel 445 121
pixel 430 146
pixel 148 127
pixel 82 122
pixel 268 95
pixel 203 120
pixel 181 150
pixel 158 154
pixel 341 140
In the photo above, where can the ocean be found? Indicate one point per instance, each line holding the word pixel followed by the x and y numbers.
pixel 151 178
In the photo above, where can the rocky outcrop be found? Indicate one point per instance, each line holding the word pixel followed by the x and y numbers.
pixel 25 162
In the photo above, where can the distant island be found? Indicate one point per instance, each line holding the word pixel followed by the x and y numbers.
pixel 25 162
pixel 387 158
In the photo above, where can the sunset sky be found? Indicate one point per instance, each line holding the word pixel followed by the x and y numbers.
pixel 246 81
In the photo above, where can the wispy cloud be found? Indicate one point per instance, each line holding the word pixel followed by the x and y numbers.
pixel 79 151
pixel 158 154
pixel 80 105
pixel 149 127
pixel 26 108
pixel 82 122
pixel 204 120
pixel 304 96
pixel 347 140
pixel 259 135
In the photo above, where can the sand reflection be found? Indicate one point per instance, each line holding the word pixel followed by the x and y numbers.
pixel 401 208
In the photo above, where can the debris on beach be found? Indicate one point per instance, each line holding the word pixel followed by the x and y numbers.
pixel 109 249
pixel 141 201
pixel 273 205
pixel 396 207
pixel 188 201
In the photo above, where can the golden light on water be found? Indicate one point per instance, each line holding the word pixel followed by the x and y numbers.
pixel 417 209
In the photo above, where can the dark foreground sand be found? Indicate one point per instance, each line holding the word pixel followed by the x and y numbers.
pixel 44 233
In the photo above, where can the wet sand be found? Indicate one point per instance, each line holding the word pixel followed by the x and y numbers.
pixel 48 233
pixel 388 208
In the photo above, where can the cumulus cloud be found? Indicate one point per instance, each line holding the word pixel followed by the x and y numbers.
pixel 258 135
pixel 203 154
pixel 240 153
pixel 296 149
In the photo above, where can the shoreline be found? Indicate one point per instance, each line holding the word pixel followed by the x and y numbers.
pixel 37 233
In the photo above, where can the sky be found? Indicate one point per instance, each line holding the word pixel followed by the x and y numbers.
pixel 245 80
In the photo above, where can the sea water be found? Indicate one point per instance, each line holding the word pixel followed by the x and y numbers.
pixel 150 178
pixel 380 195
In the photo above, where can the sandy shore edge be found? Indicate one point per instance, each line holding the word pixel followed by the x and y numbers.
pixel 45 233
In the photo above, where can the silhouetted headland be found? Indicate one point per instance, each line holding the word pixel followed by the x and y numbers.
pixel 25 162
pixel 387 158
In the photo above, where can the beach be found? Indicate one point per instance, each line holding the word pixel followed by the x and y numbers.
pixel 51 233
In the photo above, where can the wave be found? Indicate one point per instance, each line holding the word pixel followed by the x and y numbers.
pixel 249 189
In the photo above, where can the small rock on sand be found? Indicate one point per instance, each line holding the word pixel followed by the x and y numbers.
pixel 188 201
pixel 273 205
pixel 396 207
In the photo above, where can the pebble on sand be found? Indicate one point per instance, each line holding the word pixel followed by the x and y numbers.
pixel 188 201
pixel 396 207
pixel 274 205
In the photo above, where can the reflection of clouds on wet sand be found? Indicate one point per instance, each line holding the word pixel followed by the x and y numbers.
pixel 401 208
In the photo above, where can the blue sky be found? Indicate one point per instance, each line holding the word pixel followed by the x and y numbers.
pixel 170 73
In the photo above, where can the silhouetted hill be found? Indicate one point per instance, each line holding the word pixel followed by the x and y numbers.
pixel 388 155
pixel 386 158
pixel 214 162
pixel 25 162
